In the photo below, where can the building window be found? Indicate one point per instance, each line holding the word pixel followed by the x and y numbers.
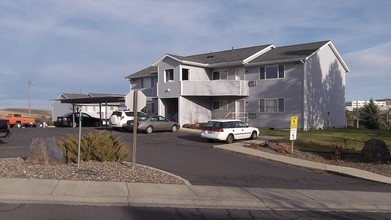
pixel 220 105
pixel 220 75
pixel 146 83
pixel 185 74
pixel 169 75
pixel 272 72
pixel 272 105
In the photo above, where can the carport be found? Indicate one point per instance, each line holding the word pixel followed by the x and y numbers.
pixel 94 100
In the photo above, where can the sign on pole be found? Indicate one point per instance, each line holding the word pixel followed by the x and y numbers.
pixel 141 100
pixel 293 133
pixel 294 121
pixel 135 100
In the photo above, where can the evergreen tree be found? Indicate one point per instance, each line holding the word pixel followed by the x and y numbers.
pixel 369 115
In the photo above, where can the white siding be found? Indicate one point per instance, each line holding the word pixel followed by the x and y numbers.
pixel 324 91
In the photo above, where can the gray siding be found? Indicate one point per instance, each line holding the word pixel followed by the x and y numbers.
pixel 289 88
pixel 169 89
pixel 324 91
pixel 194 110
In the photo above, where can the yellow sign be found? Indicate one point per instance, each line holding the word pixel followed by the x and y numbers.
pixel 294 121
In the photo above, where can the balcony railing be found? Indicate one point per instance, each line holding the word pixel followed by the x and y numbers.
pixel 215 88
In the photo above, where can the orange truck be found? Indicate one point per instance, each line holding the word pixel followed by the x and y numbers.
pixel 19 121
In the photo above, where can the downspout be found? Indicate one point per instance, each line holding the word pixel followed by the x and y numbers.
pixel 305 101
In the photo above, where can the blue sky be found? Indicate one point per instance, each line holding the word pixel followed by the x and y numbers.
pixel 83 46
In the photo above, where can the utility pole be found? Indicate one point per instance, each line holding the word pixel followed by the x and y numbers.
pixel 29 83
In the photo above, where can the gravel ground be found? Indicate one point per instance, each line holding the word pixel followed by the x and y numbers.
pixel 87 171
pixel 348 160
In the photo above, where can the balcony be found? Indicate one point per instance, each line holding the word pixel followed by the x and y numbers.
pixel 215 88
pixel 150 92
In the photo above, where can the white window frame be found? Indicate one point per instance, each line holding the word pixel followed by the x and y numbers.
pixel 188 74
pixel 223 104
pixel 223 74
pixel 168 75
pixel 272 105
pixel 278 72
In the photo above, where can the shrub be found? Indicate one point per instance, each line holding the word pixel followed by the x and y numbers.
pixel 370 116
pixel 99 146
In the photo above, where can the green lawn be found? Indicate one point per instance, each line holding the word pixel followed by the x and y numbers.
pixel 351 139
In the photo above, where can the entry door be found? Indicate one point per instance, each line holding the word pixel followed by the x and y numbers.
pixel 239 110
pixel 239 73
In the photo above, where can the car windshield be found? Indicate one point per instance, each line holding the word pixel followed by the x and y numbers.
pixel 66 115
pixel 216 124
pixel 143 117
pixel 117 113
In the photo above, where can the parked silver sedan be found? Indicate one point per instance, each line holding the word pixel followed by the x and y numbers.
pixel 149 124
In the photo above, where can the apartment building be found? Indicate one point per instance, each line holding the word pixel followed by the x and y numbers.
pixel 263 85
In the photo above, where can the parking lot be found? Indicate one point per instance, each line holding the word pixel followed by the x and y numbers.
pixel 187 155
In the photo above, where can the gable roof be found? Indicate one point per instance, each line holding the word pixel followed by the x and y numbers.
pixel 149 71
pixel 214 59
pixel 250 56
pixel 292 53
pixel 227 56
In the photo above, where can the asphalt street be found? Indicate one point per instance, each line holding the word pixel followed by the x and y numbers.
pixel 189 156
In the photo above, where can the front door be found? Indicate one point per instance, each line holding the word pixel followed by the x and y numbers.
pixel 239 73
pixel 240 111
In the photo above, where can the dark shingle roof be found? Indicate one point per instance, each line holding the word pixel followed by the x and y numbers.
pixel 143 73
pixel 226 56
pixel 299 51
pixel 278 54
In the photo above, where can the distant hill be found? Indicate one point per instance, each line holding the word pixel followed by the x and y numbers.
pixel 36 113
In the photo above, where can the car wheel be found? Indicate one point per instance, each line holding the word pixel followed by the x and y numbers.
pixel 174 128
pixel 18 125
pixel 230 138
pixel 149 130
pixel 253 135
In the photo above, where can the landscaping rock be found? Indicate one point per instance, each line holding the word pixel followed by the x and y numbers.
pixel 45 151
pixel 376 151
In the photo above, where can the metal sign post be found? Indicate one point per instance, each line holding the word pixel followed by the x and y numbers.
pixel 78 147
pixel 135 125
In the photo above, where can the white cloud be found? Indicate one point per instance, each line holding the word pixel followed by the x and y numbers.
pixel 371 62
pixel 89 40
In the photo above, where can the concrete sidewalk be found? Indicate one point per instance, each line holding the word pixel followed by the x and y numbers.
pixel 188 196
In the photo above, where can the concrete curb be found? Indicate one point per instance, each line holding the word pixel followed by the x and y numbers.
pixel 183 196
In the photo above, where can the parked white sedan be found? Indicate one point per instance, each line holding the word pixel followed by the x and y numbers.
pixel 228 130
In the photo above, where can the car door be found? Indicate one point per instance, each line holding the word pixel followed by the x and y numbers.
pixel 153 121
pixel 244 130
pixel 233 126
pixel 160 123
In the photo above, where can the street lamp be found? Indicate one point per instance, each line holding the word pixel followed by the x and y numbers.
pixel 29 83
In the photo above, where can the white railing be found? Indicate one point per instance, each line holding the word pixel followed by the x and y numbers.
pixel 237 115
